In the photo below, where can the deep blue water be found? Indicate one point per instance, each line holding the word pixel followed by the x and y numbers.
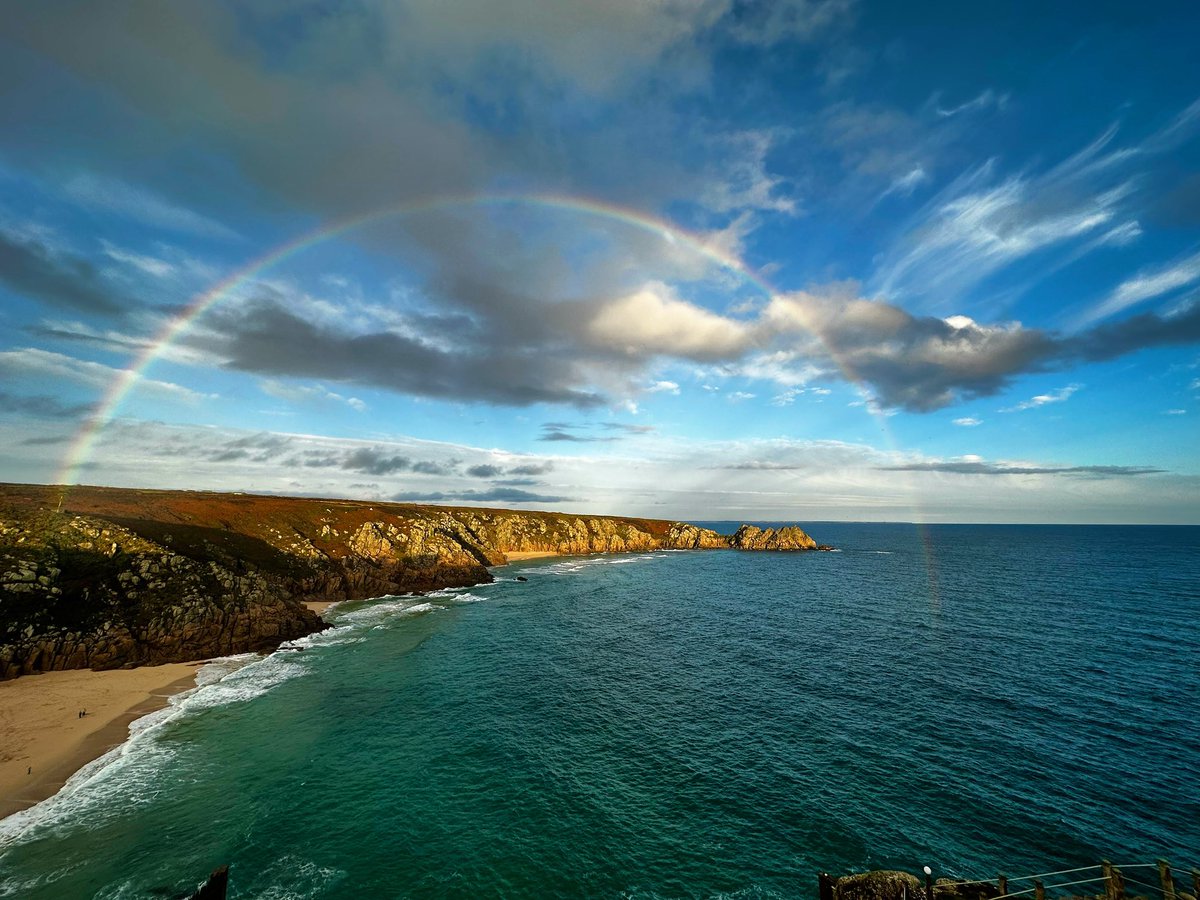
pixel 702 724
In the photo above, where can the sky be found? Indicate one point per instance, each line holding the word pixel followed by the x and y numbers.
pixel 699 259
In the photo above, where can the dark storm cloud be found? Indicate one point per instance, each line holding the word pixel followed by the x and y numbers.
pixel 564 431
pixel 574 438
pixel 531 469
pixel 371 461
pixel 119 343
pixel 46 440
pixel 267 339
pixel 30 268
pixel 42 406
pixel 357 109
pixel 982 468
pixel 263 441
pixel 1113 339
pixel 493 495
pixel 228 455
pixel 922 364
pixel 484 471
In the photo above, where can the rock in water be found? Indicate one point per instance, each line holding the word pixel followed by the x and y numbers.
pixel 883 885
pixel 216 886
pixel 790 537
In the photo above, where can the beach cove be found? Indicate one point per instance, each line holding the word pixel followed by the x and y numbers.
pixel 664 723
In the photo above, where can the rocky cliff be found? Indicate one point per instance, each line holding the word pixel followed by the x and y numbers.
pixel 105 577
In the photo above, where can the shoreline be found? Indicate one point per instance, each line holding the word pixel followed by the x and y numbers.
pixel 40 726
pixel 319 606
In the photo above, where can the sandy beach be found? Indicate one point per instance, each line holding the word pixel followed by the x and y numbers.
pixel 319 606
pixel 517 555
pixel 41 729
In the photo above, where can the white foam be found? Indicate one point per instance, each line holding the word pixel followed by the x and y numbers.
pixel 420 608
pixel 220 682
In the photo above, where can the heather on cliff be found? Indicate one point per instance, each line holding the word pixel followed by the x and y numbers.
pixel 106 577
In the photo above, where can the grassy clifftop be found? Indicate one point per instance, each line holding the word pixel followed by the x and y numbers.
pixel 108 577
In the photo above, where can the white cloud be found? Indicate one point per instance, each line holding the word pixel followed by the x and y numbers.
pixel 787 368
pixel 788 397
pixel 905 184
pixel 976 226
pixel 1176 412
pixel 1145 286
pixel 663 387
pixel 151 265
pixel 745 480
pixel 968 421
pixel 739 396
pixel 983 100
pixel 119 198
pixel 1059 396
pixel 654 321
pixel 42 366
pixel 308 394
pixel 743 181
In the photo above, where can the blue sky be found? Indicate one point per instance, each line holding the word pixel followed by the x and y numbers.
pixel 803 260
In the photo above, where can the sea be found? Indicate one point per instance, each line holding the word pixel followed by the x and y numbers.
pixel 708 724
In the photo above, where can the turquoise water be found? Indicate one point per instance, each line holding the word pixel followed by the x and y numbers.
pixel 701 724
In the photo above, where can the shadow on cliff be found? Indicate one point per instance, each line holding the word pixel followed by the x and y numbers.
pixel 233 550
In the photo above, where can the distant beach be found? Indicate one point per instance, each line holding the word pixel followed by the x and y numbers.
pixel 517 556
pixel 41 729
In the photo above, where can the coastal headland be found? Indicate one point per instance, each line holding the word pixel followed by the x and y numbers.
pixel 109 578
pixel 142 584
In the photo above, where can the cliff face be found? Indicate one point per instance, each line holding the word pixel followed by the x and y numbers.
pixel 104 578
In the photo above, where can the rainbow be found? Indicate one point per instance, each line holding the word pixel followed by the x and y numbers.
pixel 82 444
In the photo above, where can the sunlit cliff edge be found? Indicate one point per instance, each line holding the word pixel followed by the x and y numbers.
pixel 110 577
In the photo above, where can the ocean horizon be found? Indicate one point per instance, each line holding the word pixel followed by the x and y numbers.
pixel 976 698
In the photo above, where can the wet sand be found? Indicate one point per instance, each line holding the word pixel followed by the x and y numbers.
pixel 41 729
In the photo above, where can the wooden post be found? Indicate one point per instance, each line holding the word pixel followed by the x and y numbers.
pixel 1003 882
pixel 1110 886
pixel 825 885
pixel 1165 879
pixel 1039 889
pixel 1117 880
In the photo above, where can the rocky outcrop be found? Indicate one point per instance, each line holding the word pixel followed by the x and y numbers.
pixel 691 537
pixel 879 885
pixel 104 578
pixel 749 537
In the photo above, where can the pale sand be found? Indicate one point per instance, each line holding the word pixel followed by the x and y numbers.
pixel 319 606
pixel 515 556
pixel 40 726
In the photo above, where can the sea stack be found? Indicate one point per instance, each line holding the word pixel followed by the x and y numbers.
pixel 791 537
